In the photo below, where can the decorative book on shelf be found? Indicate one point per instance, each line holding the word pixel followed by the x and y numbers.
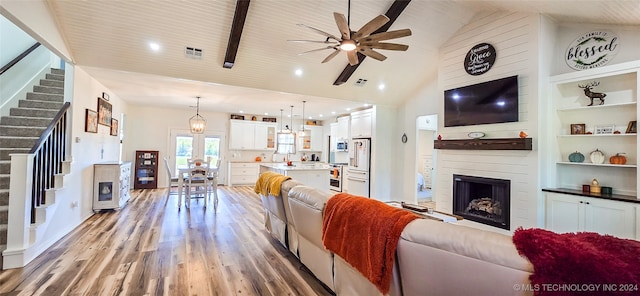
pixel 485 144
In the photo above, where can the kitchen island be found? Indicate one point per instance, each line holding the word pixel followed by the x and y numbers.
pixel 311 173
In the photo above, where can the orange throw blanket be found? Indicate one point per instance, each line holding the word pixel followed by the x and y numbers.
pixel 269 183
pixel 365 233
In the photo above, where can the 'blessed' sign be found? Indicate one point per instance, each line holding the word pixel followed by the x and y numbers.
pixel 592 50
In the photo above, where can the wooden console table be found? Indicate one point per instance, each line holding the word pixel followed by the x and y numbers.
pixel 434 216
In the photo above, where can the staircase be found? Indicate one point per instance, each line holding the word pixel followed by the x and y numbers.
pixel 21 129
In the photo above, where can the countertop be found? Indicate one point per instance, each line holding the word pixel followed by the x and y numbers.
pixel 617 197
pixel 298 166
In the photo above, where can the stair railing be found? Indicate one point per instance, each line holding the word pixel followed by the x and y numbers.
pixel 32 175
pixel 49 153
pixel 19 58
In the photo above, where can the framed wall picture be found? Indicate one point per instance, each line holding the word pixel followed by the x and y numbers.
pixel 91 121
pixel 577 129
pixel 632 128
pixel 114 127
pixel 604 129
pixel 104 112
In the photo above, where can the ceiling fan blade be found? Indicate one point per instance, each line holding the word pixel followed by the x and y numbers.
pixel 352 55
pixel 387 46
pixel 387 35
pixel 314 41
pixel 343 26
pixel 331 56
pixel 371 26
pixel 318 49
pixel 371 53
pixel 323 33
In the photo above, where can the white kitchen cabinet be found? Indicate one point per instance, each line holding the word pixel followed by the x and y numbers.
pixel 111 184
pixel 312 139
pixel 243 173
pixel 265 136
pixel 252 135
pixel 342 132
pixel 361 122
pixel 573 213
pixel 333 127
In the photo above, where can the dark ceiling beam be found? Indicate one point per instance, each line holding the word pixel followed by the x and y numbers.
pixel 242 6
pixel 397 7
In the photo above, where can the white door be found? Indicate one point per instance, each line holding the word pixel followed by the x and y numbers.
pixel 185 145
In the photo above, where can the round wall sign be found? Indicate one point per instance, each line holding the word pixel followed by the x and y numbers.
pixel 479 59
pixel 592 50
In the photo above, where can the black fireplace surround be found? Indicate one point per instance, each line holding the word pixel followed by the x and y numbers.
pixel 483 200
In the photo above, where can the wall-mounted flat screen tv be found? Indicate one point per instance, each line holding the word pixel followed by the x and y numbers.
pixel 494 101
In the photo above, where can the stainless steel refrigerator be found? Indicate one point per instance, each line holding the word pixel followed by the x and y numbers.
pixel 359 165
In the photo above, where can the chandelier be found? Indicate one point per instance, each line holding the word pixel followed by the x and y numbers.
pixel 197 123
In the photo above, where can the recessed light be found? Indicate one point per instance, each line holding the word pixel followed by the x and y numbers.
pixel 366 105
pixel 348 109
pixel 321 115
pixel 241 111
pixel 154 46
pixel 381 86
pixel 265 113
pixel 298 72
pixel 333 112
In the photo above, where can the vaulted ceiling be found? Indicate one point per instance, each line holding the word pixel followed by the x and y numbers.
pixel 111 41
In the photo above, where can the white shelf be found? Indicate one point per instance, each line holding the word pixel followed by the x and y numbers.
pixel 597 136
pixel 584 108
pixel 600 165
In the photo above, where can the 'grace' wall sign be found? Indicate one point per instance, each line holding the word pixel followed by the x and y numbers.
pixel 592 50
pixel 479 59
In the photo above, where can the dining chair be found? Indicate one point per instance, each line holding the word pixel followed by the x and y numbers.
pixel 214 172
pixel 197 185
pixel 171 179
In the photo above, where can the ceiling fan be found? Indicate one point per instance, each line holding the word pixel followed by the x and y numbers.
pixel 360 41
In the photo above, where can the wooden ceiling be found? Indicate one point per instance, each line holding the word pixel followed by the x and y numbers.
pixel 110 40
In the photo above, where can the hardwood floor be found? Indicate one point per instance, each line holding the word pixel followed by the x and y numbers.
pixel 152 248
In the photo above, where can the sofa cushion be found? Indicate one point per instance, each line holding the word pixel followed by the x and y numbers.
pixel 310 204
pixel 470 242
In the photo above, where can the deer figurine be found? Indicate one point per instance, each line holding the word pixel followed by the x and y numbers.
pixel 592 95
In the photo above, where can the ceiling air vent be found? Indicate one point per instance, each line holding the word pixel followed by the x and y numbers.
pixel 360 82
pixel 193 53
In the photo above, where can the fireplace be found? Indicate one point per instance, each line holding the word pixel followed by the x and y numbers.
pixel 483 200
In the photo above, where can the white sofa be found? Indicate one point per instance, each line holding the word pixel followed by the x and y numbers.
pixel 277 219
pixel 437 258
pixel 432 258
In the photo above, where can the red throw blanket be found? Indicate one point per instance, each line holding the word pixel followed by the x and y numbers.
pixel 365 233
pixel 583 263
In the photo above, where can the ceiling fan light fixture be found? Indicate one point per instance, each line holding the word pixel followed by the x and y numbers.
pixel 348 45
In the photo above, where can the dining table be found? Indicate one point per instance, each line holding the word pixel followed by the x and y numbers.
pixel 183 174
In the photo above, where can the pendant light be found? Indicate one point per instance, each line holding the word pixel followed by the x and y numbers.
pixel 197 123
pixel 302 133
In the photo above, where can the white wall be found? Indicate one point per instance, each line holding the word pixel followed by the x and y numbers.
pixel 628 40
pixel 148 128
pixel 426 102
pixel 86 149
pixel 13 42
pixel 35 18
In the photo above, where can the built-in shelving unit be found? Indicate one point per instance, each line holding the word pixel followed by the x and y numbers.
pixel 570 105
pixel 485 144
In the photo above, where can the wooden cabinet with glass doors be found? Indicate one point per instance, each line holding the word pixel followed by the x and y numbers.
pixel 146 174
